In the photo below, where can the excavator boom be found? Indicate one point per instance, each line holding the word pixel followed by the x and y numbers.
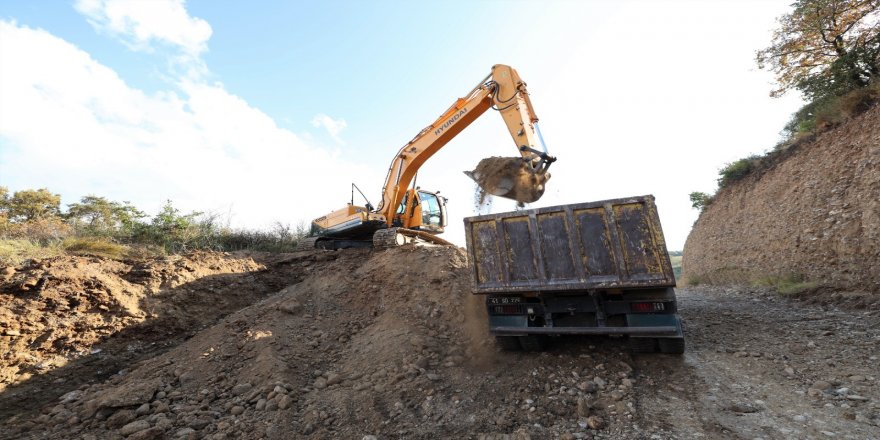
pixel 504 91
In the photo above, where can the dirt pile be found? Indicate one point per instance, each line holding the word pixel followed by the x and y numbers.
pixel 509 177
pixel 814 215
pixel 56 310
pixel 387 343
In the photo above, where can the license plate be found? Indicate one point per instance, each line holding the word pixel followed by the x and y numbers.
pixel 505 300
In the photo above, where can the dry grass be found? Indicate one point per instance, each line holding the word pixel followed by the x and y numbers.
pixel 95 246
pixel 15 251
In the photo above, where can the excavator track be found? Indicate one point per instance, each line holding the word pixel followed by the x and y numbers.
pixel 393 237
pixel 307 244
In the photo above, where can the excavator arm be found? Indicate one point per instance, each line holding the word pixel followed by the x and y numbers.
pixel 504 91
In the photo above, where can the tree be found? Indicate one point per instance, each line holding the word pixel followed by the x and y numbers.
pixel 99 215
pixel 4 199
pixel 825 47
pixel 700 200
pixel 30 204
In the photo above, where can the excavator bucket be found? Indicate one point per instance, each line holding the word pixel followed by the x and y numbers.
pixel 510 177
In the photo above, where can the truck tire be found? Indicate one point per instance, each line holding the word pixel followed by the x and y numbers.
pixel 508 343
pixel 643 345
pixel 671 345
pixel 533 342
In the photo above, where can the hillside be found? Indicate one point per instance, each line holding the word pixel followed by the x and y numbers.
pixel 813 215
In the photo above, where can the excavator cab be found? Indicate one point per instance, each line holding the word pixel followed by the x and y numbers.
pixel 427 213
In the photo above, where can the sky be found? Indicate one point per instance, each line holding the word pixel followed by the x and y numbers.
pixel 264 112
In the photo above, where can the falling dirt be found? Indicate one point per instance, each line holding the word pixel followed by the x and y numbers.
pixel 391 344
pixel 509 177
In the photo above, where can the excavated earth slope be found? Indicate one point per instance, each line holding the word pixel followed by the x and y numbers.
pixel 815 214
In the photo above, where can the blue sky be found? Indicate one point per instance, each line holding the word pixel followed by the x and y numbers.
pixel 267 111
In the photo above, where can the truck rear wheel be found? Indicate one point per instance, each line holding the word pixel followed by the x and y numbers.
pixel 533 342
pixel 671 345
pixel 643 345
pixel 508 343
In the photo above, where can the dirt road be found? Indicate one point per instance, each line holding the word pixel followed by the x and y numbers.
pixel 762 366
pixel 355 344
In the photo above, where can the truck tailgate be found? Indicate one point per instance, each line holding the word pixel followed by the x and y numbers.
pixel 611 244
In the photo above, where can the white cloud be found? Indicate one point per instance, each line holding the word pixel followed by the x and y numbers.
pixel 141 24
pixel 333 126
pixel 73 125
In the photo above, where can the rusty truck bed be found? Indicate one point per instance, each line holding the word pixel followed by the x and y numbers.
pixel 610 244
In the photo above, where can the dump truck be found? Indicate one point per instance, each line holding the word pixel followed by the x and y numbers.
pixel 595 268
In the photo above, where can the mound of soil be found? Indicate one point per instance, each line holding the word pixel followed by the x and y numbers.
pixel 387 343
pixel 56 310
pixel 509 177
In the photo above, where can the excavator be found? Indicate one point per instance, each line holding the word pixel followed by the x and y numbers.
pixel 407 213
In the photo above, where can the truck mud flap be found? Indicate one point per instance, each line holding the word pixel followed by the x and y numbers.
pixel 647 331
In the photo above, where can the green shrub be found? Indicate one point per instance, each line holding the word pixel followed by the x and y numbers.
pixel 700 200
pixel 737 170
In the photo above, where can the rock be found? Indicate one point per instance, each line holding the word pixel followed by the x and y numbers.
pixel 142 410
pixel 333 379
pixel 199 423
pixel 789 371
pixel 161 407
pixel 7 273
pixel 272 405
pixel 821 385
pixel 148 434
pixel 291 306
pixel 279 389
pixel 184 432
pixel 241 388
pixel 120 418
pixel 743 408
pixel 588 387
pixel 617 395
pixel 187 377
pixel 134 393
pixel 857 397
pixel 10 332
pixel 236 410
pixel 163 423
pixel 135 426
pixel 321 383
pixel 599 382
pixel 583 407
pixel 284 402
pixel 432 377
pixel 369 437
pixel 595 422
pixel 261 405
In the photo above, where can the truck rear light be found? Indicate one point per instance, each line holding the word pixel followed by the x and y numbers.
pixel 647 306
pixel 509 309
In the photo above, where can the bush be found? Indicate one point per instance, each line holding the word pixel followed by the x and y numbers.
pixel 825 112
pixel 737 170
pixel 700 200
